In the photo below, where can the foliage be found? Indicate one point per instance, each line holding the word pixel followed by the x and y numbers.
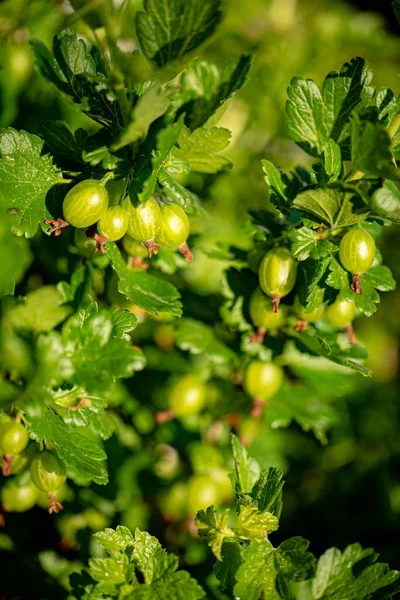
pixel 95 335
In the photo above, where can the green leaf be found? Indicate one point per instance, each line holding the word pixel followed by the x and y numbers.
pixel 143 183
pixel 344 92
pixel 353 575
pixel 256 576
pixel 277 189
pixel 254 525
pixel 371 151
pixel 16 258
pixel 305 109
pixel 152 105
pixel 174 190
pixel 312 282
pixel 246 468
pixel 317 345
pixel 170 31
pixel 114 540
pixel 94 353
pixel 379 278
pixel 205 89
pixel 201 149
pixel 332 206
pixel 78 452
pixel 307 243
pixel 332 158
pixel 303 405
pixel 198 338
pixel 27 180
pixel 214 528
pixel 267 491
pixel 293 561
pixel 71 69
pixel 41 310
pixel 225 569
pixel 159 569
pixel 150 293
pixel 385 201
pixel 61 140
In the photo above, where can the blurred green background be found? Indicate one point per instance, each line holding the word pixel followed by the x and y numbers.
pixel 335 494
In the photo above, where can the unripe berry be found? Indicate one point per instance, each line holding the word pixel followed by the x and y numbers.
pixel 85 203
pixel 309 317
pixel 341 313
pixel 357 253
pixel 278 274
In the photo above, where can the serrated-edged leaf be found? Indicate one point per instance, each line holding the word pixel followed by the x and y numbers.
pixel 114 540
pixel 108 572
pixel 380 278
pixel 317 345
pixel 245 468
pixel 169 31
pixel 332 158
pixel 332 206
pixel 343 92
pixel 304 406
pixel 225 569
pixel 306 242
pixel 159 569
pixel 92 352
pixel 27 176
pixel 123 322
pixel 268 489
pixel 255 525
pixel 41 310
pixel 152 105
pixel 305 109
pixel 273 178
pixel 353 575
pixel 72 69
pixel 214 528
pixel 312 282
pixel 385 201
pixel 174 190
pixel 371 150
pixel 293 561
pixel 16 258
pixel 199 338
pixel 255 578
pixel 150 293
pixel 77 451
pixel 201 147
pixel 205 89
pixel 144 183
pixel 61 140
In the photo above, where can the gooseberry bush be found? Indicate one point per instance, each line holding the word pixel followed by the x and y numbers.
pixel 110 356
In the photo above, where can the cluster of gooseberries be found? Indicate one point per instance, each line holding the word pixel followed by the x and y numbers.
pixel 146 225
pixel 277 277
pixel 34 473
